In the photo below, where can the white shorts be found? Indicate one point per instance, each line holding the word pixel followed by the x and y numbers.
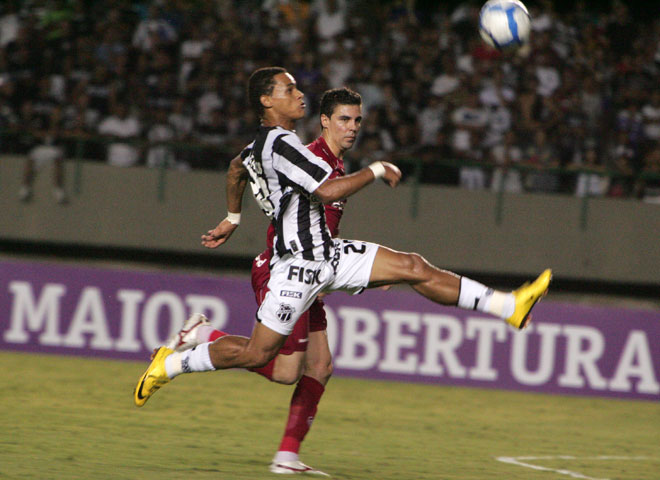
pixel 294 283
pixel 44 154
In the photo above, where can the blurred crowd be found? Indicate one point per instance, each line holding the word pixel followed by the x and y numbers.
pixel 162 84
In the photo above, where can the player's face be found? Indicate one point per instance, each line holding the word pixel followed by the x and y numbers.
pixel 342 127
pixel 286 100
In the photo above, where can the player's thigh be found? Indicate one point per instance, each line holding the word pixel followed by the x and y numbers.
pixel 391 266
pixel 288 368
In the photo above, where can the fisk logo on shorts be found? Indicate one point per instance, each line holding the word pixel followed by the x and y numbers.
pixel 285 312
pixel 304 275
pixel 290 294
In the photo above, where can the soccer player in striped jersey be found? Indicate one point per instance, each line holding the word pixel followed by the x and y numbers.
pixel 305 357
pixel 291 185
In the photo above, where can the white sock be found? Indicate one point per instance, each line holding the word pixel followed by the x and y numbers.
pixel 283 456
pixel 476 296
pixel 173 365
pixel 498 303
pixel 196 359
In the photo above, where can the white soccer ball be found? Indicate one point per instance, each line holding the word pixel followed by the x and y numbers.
pixel 504 24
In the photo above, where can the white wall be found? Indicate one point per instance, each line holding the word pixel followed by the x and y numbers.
pixel 455 229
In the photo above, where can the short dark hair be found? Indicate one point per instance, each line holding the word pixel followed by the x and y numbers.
pixel 261 83
pixel 338 96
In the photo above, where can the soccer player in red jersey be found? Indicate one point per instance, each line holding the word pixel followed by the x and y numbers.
pixel 305 357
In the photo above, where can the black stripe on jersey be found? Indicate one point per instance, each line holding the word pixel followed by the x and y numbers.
pixel 258 146
pixel 304 232
pixel 257 149
pixel 280 247
pixel 246 152
pixel 324 233
pixel 298 159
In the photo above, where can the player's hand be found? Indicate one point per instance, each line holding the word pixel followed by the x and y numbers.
pixel 219 235
pixel 392 174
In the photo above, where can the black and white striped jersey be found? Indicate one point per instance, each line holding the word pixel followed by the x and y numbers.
pixel 283 176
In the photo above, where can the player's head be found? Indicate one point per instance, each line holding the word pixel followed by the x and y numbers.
pixel 272 91
pixel 341 118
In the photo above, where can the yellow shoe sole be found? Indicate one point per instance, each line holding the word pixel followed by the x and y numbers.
pixel 527 296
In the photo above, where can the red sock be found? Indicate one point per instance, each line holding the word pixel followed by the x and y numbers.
pixel 266 370
pixel 215 334
pixel 304 403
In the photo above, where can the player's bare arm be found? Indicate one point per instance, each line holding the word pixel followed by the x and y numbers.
pixel 237 178
pixel 342 187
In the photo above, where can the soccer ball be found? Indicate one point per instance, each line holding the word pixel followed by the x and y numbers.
pixel 504 24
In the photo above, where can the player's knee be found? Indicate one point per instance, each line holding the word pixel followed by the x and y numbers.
pixel 414 266
pixel 320 370
pixel 287 377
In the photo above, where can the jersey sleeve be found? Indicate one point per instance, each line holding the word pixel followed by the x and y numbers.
pixel 300 167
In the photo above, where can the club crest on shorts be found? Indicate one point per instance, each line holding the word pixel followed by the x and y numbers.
pixel 285 312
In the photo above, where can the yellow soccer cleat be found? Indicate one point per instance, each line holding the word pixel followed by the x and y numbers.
pixel 526 297
pixel 154 378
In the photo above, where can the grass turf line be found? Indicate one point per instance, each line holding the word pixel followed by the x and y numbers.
pixel 73 418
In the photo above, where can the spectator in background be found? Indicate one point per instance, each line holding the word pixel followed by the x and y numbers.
pixel 621 158
pixel 194 44
pixel 437 160
pixel 591 102
pixel 154 31
pixel 449 79
pixel 99 88
pixel 430 120
pixel 212 136
pixel 530 105
pixel 649 187
pixel 181 119
pixel 591 179
pixel 630 120
pixel 124 131
pixel 209 100
pixel 44 133
pixel 651 117
pixel 470 121
pixel 375 123
pixel 7 113
pixel 546 74
pixel 10 22
pixel 543 157
pixel 506 155
pixel 80 123
pixel 406 148
pixel 330 21
pixel 159 134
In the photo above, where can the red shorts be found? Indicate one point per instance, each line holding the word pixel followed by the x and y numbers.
pixel 313 320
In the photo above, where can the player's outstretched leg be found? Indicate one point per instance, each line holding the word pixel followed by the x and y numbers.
pixel 447 288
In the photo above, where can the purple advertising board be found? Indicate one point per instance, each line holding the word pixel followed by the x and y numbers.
pixel 394 335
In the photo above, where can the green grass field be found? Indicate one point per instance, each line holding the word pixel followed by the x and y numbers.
pixel 73 418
